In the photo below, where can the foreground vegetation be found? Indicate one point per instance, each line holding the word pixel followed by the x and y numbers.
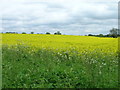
pixel 34 61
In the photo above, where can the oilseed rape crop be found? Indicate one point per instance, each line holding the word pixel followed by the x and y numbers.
pixel 59 61
pixel 61 42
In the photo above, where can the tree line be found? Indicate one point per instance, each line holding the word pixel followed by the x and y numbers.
pixel 56 33
pixel 114 32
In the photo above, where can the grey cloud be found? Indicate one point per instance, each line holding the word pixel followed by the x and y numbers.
pixel 68 18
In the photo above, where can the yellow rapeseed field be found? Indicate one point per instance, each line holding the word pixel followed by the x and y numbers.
pixel 62 42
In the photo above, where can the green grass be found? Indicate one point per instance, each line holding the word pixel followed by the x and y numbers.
pixel 24 68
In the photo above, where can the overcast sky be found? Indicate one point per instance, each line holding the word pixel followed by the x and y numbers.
pixel 73 17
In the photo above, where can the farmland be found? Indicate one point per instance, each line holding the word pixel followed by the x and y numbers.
pixel 59 61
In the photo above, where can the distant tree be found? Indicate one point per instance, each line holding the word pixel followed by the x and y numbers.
pixel 47 33
pixel 57 33
pixel 114 32
pixel 32 32
pixel 108 35
pixel 23 32
pixel 100 35
pixel 11 32
pixel 90 35
pixel 7 32
pixel 114 35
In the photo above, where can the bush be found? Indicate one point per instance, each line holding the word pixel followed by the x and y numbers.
pixel 57 33
pixel 47 33
pixel 32 32
pixel 23 32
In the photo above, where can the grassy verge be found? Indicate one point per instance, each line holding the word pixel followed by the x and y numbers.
pixel 24 68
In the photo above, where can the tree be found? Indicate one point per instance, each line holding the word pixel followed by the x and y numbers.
pixel 108 35
pixel 32 32
pixel 90 35
pixel 23 32
pixel 57 33
pixel 100 35
pixel 114 32
pixel 11 32
pixel 47 33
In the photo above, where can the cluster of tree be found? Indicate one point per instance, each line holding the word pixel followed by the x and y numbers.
pixel 17 32
pixel 113 33
pixel 56 33
pixel 102 35
pixel 11 32
pixel 26 33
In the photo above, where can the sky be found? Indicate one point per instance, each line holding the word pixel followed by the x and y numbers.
pixel 70 17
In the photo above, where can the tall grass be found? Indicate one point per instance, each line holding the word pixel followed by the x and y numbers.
pixel 24 67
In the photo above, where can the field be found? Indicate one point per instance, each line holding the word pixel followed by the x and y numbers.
pixel 59 61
